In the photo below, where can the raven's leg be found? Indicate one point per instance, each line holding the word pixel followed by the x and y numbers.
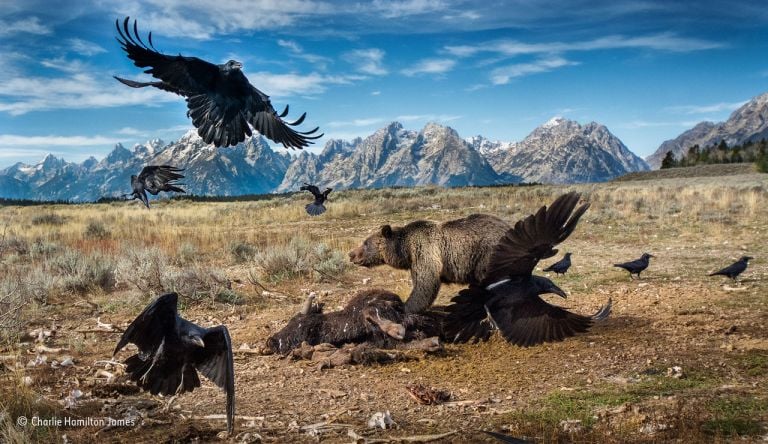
pixel 168 405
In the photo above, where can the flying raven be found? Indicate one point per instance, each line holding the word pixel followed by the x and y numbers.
pixel 171 349
pixel 220 100
pixel 561 266
pixel 735 269
pixel 316 208
pixel 508 298
pixel 636 266
pixel 155 179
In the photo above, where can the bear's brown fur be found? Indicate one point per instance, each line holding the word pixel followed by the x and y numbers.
pixel 456 251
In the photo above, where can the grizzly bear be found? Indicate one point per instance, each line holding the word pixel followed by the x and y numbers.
pixel 456 251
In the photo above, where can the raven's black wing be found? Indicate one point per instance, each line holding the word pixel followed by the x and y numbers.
pixel 632 266
pixel 262 116
pixel 312 189
pixel 186 76
pixel 734 269
pixel 159 178
pixel 523 321
pixel 151 327
pixel 216 363
pixel 533 238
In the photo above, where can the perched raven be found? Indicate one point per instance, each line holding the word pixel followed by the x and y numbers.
pixel 561 266
pixel 220 100
pixel 508 299
pixel 735 269
pixel 316 208
pixel 171 349
pixel 155 179
pixel 636 266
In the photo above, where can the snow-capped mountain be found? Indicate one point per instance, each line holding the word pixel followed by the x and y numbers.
pixel 560 151
pixel 563 151
pixel 746 124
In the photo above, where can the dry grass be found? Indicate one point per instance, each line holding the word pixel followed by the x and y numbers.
pixel 250 265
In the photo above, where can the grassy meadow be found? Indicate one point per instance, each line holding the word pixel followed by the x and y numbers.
pixel 683 357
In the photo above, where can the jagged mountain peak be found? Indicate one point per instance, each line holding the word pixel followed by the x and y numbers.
pixel 747 123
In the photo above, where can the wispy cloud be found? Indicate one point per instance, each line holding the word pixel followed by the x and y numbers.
pixel 639 124
pixel 356 122
pixel 14 140
pixel 30 25
pixel 705 109
pixel 427 117
pixel 402 8
pixel 367 61
pixel 129 131
pixel 64 65
pixel 430 66
pixel 297 51
pixel 662 42
pixel 503 75
pixel 84 47
pixel 286 85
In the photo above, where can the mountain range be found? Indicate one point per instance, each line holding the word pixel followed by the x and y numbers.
pixel 559 151
pixel 747 124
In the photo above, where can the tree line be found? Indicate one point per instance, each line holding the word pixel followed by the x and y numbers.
pixel 748 152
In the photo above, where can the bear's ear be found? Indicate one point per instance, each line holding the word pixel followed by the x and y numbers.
pixel 386 231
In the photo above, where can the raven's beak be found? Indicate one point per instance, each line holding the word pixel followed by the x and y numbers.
pixel 197 340
pixel 554 289
pixel 238 65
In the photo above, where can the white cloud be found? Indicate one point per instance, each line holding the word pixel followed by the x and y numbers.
pixel 430 66
pixel 367 61
pixel 63 64
pixel 357 122
pixel 29 25
pixel 402 8
pixel 705 109
pixel 510 48
pixel 21 95
pixel 84 47
pixel 297 51
pixel 427 117
pixel 14 141
pixel 375 93
pixel 285 85
pixel 129 131
pixel 502 75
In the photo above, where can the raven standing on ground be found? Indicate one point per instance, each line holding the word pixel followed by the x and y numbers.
pixel 561 266
pixel 636 266
pixel 508 298
pixel 735 269
pixel 221 101
pixel 155 179
pixel 172 350
pixel 316 208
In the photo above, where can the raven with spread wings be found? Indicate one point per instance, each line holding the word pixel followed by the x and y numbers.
pixel 316 208
pixel 172 350
pixel 508 299
pixel 155 179
pixel 220 100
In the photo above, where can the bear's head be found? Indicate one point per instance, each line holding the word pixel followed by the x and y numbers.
pixel 376 249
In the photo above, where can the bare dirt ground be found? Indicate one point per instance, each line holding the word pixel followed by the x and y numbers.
pixel 683 357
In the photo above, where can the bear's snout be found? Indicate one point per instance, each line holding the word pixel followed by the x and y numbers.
pixel 356 256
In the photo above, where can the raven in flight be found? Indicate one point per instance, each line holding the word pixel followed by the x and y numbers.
pixel 172 350
pixel 636 266
pixel 155 179
pixel 316 208
pixel 735 269
pixel 220 100
pixel 561 266
pixel 508 298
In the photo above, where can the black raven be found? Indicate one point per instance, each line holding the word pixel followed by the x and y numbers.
pixel 220 100
pixel 155 179
pixel 508 298
pixel 636 266
pixel 561 266
pixel 735 269
pixel 506 438
pixel 171 349
pixel 316 208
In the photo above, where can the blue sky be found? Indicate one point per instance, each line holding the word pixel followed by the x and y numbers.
pixel 647 69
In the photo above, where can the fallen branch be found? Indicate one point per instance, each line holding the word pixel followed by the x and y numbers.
pixel 342 281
